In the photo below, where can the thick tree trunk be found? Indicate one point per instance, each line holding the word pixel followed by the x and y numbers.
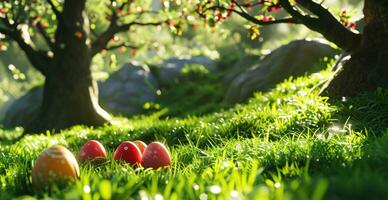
pixel 70 94
pixel 368 67
pixel 70 98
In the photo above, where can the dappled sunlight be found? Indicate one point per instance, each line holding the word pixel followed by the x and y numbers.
pixel 226 99
pixel 289 145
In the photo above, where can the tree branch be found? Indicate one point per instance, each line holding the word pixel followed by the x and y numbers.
pixel 253 19
pixel 127 26
pixel 102 40
pixel 54 8
pixel 296 14
pixel 5 31
pixel 322 21
pixel 124 44
pixel 45 36
pixel 38 59
pixel 325 23
pixel 6 23
pixel 315 8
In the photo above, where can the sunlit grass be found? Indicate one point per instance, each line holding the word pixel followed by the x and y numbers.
pixel 288 143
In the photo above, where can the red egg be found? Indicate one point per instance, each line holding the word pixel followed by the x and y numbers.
pixel 141 145
pixel 128 152
pixel 156 155
pixel 92 151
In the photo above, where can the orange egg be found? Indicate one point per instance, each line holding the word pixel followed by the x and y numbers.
pixel 55 165
pixel 141 145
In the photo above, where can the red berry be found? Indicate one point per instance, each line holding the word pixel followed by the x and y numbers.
pixel 42 25
pixel 133 52
pixel 352 25
pixel 219 16
pixel 248 5
pixel 194 26
pixel 267 19
pixel 228 14
pixel 274 8
pixel 79 34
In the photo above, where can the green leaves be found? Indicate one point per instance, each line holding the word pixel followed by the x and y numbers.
pixel 253 31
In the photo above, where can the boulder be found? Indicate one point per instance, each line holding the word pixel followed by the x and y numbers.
pixel 22 111
pixel 171 68
pixel 294 59
pixel 239 67
pixel 124 93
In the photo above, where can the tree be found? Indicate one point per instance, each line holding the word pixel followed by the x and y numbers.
pixel 367 68
pixel 72 39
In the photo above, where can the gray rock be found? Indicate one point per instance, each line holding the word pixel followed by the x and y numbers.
pixel 22 111
pixel 294 59
pixel 171 68
pixel 242 65
pixel 124 93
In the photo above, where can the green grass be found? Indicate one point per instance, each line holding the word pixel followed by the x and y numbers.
pixel 196 92
pixel 288 143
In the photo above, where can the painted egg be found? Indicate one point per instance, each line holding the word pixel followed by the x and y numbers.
pixel 141 145
pixel 55 165
pixel 156 155
pixel 128 152
pixel 92 151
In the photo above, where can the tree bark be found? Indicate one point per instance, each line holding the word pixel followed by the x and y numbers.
pixel 70 95
pixel 69 98
pixel 367 69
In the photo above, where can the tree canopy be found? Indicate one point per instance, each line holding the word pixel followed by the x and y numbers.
pixel 28 21
pixel 337 28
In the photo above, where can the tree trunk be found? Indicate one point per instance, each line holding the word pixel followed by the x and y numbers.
pixel 367 69
pixel 69 98
pixel 70 95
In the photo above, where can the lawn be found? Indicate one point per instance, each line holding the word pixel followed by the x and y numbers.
pixel 287 143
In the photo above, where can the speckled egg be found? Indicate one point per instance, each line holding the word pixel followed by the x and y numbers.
pixel 55 165
pixel 156 155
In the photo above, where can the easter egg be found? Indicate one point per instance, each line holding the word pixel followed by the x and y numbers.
pixel 156 155
pixel 93 152
pixel 55 165
pixel 141 145
pixel 128 152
